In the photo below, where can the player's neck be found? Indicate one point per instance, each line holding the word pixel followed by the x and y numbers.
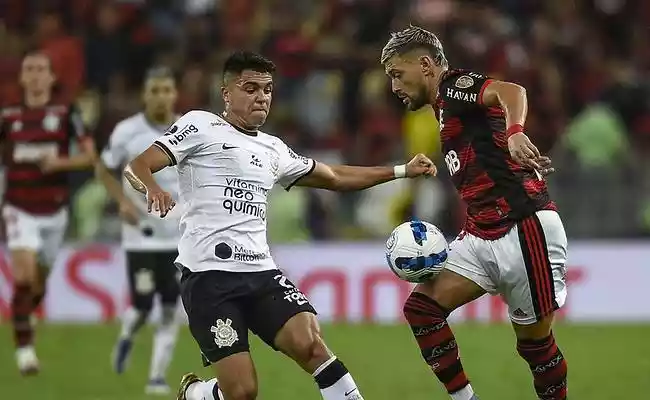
pixel 164 119
pixel 239 123
pixel 433 93
pixel 37 99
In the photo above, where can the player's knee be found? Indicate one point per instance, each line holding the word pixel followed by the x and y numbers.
pixel 25 267
pixel 420 310
pixel 242 389
pixel 301 339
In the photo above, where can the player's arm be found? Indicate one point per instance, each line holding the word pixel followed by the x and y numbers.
pixel 348 178
pixel 180 141
pixel 512 99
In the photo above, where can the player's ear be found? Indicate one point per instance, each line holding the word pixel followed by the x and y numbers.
pixel 426 65
pixel 225 94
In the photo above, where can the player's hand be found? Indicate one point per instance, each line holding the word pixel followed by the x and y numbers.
pixel 159 201
pixel 420 165
pixel 523 151
pixel 49 164
pixel 546 166
pixel 129 213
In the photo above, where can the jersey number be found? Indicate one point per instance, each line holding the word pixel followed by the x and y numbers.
pixel 453 162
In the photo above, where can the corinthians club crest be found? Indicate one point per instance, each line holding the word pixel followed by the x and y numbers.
pixel 224 334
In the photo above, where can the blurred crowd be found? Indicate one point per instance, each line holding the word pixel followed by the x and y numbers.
pixel 585 64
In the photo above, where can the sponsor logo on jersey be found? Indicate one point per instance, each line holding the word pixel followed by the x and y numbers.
pixel 218 123
pixel 458 95
pixel 238 253
pixel 240 198
pixel 178 136
pixel 464 82
pixel 295 156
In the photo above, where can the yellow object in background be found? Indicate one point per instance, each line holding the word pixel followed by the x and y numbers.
pixel 421 133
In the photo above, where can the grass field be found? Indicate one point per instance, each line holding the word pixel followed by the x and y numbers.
pixel 605 363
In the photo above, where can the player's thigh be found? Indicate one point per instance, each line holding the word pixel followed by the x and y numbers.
pixel 166 277
pixel 141 270
pixel 53 235
pixel 213 301
pixel 532 266
pixel 24 242
pixel 281 315
pixel 463 279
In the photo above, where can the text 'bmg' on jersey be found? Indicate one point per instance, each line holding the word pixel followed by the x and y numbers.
pixel 498 191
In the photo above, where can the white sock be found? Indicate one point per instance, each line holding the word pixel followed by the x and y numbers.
pixel 131 322
pixel 203 390
pixel 465 393
pixel 164 341
pixel 335 382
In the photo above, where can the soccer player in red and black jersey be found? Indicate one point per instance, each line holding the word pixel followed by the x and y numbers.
pixel 513 243
pixel 35 137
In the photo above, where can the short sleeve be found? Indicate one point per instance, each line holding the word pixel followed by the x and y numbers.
pixel 292 167
pixel 464 88
pixel 182 139
pixel 114 154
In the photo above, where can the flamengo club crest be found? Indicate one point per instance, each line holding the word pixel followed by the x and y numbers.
pixel 51 122
pixel 224 334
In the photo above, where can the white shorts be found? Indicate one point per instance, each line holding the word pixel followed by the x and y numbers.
pixel 43 234
pixel 527 266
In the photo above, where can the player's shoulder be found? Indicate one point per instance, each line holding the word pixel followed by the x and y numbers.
pixel 128 126
pixel 462 78
pixel 201 118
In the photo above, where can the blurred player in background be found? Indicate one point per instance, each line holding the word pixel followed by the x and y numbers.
pixel 513 243
pixel 36 135
pixel 150 242
pixel 230 282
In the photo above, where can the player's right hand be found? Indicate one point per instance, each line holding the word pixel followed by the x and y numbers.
pixel 523 151
pixel 129 213
pixel 159 201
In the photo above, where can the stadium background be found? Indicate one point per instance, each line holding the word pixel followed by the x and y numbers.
pixel 585 65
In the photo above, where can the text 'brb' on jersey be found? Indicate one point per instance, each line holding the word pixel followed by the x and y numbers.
pixel 131 137
pixel 29 135
pixel 498 192
pixel 225 175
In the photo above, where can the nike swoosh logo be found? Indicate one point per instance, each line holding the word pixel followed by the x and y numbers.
pixel 226 147
pixel 350 392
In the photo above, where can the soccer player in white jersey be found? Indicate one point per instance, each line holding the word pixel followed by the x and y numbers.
pixel 150 242
pixel 230 283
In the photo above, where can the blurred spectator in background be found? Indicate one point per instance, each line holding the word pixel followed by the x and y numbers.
pixel 585 64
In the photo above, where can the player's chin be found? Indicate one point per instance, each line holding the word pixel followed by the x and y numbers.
pixel 258 117
pixel 414 105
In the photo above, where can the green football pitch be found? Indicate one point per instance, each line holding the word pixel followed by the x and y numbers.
pixel 606 362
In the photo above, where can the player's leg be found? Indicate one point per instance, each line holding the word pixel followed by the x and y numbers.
pixel 24 242
pixel 164 339
pixel 535 286
pixel 212 302
pixel 427 308
pixel 283 318
pixel 52 235
pixel 140 270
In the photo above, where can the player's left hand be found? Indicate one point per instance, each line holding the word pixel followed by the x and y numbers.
pixel 546 166
pixel 523 151
pixel 420 165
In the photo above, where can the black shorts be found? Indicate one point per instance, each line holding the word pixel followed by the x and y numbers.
pixel 222 306
pixel 151 273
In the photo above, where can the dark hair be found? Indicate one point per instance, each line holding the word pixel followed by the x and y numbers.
pixel 159 73
pixel 240 61
pixel 413 38
pixel 36 52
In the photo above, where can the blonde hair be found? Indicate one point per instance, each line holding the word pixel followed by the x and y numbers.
pixel 413 38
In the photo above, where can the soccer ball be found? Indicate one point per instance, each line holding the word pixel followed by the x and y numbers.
pixel 416 251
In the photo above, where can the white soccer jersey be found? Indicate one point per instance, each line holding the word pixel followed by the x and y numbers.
pixel 225 175
pixel 131 137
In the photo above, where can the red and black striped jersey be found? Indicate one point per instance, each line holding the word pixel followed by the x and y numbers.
pixel 498 191
pixel 28 135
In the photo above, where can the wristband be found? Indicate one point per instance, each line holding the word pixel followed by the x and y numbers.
pixel 514 129
pixel 399 171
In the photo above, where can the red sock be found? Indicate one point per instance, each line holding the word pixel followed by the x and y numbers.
pixel 548 366
pixel 22 305
pixel 428 321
